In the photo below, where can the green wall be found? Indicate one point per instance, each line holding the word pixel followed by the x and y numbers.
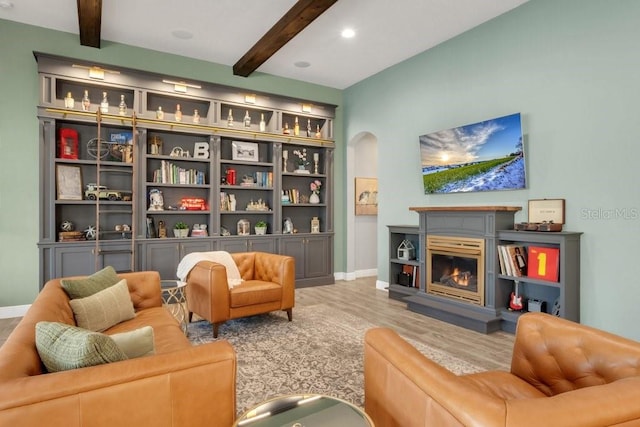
pixel 19 135
pixel 572 68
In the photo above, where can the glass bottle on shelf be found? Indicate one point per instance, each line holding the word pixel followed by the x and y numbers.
pixel 86 103
pixel 104 105
pixel 286 130
pixel 296 127
pixel 160 114
pixel 318 133
pixel 178 115
pixel 247 119
pixel 122 108
pixel 69 102
pixel 263 124
pixel 230 118
pixel 308 127
pixel 196 116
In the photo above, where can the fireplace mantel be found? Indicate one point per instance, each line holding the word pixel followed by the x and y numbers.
pixel 466 208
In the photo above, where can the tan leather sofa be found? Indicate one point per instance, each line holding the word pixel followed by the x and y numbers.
pixel 268 285
pixel 181 385
pixel 562 374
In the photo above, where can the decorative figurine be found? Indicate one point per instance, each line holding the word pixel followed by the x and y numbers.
pixel 162 229
pixel 160 114
pixel 315 225
pixel 67 225
pixel 155 145
pixel 156 200
pixel 285 157
pixel 247 119
pixel 104 105
pixel 90 232
pixel 69 102
pixel 196 116
pixel 122 107
pixel 230 118
pixel 86 103
pixel 244 227
pixel 288 226
pixel 178 115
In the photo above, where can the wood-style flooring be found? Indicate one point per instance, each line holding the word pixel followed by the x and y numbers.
pixel 360 298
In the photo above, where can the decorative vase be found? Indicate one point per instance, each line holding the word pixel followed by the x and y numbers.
pixel 315 199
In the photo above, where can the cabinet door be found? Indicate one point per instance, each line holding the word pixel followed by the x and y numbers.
pixel 162 257
pixel 117 256
pixel 294 247
pixel 233 245
pixel 74 261
pixel 197 246
pixel 317 260
pixel 261 245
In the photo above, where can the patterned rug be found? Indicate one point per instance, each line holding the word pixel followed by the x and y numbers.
pixel 320 351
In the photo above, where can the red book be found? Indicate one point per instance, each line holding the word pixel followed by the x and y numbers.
pixel 544 263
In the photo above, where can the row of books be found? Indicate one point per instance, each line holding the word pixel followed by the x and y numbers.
pixel 538 262
pixel 261 179
pixel 170 173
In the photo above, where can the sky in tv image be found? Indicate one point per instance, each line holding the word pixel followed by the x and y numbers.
pixel 483 156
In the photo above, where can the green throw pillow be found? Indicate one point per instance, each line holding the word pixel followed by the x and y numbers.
pixel 81 288
pixel 62 347
pixel 136 343
pixel 104 309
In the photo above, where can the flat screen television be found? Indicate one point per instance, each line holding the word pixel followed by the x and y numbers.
pixel 483 156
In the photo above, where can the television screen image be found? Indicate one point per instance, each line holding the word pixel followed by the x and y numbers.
pixel 484 156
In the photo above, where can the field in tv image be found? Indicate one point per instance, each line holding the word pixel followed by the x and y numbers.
pixel 483 156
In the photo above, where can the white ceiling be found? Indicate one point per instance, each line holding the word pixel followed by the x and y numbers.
pixel 387 32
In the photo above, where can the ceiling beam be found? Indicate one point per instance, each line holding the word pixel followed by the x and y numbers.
pixel 295 20
pixel 90 22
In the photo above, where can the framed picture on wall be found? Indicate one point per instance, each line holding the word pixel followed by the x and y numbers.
pixel 245 151
pixel 366 202
pixel 69 182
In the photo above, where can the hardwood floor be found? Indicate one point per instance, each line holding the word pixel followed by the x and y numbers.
pixel 360 298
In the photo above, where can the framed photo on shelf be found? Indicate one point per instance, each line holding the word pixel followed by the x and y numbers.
pixel 366 196
pixel 68 182
pixel 247 151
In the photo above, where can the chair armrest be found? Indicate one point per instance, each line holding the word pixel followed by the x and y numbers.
pixel 208 291
pixel 190 387
pixel 404 388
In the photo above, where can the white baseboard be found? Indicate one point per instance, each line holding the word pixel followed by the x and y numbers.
pixel 14 311
pixel 381 285
pixel 355 274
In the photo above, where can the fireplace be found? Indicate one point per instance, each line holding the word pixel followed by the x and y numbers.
pixel 455 268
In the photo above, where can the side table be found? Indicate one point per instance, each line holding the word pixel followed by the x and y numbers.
pixel 174 298
pixel 305 410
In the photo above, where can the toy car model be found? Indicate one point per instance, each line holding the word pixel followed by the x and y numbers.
pixel 94 192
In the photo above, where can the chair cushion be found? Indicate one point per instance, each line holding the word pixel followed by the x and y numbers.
pixel 62 347
pixel 104 309
pixel 252 292
pixel 87 286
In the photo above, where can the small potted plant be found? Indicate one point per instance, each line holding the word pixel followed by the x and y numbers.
pixel 181 229
pixel 261 227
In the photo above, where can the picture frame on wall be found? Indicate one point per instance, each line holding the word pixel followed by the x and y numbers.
pixel 366 199
pixel 68 182
pixel 247 151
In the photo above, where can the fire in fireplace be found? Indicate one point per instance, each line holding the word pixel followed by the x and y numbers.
pixel 455 268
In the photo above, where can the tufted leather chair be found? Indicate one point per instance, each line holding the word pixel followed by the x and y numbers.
pixel 562 374
pixel 268 285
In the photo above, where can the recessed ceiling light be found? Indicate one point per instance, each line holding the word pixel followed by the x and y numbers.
pixel 182 34
pixel 348 33
pixel 302 64
pixel 6 4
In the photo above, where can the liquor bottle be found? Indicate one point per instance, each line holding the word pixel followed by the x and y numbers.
pixel 247 119
pixel 263 124
pixel 178 115
pixel 286 130
pixel 230 118
pixel 296 127
pixel 196 116
pixel 104 105
pixel 318 133
pixel 69 102
pixel 122 108
pixel 308 127
pixel 160 114
pixel 86 103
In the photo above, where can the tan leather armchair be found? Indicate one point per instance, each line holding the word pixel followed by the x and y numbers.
pixel 268 285
pixel 562 374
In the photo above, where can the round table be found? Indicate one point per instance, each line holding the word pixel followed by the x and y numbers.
pixel 305 410
pixel 174 298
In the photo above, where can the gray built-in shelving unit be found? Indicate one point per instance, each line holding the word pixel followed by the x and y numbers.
pixel 144 94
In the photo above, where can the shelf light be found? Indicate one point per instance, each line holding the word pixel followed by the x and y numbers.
pixel 181 86
pixel 250 99
pixel 306 108
pixel 96 72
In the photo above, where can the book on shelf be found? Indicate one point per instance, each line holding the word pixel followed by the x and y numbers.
pixel 544 263
pixel 414 272
pixel 513 260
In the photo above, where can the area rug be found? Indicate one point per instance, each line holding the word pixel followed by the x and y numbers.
pixel 320 351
